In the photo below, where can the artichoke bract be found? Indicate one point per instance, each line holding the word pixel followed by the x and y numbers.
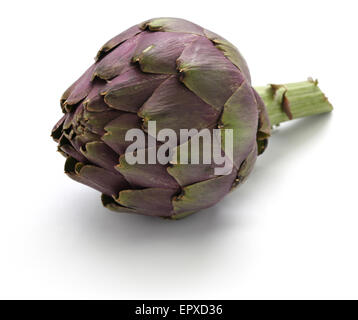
pixel 180 76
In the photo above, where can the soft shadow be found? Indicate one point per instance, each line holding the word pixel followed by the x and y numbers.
pixel 102 223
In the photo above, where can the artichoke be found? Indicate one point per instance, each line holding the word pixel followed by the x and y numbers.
pixel 181 76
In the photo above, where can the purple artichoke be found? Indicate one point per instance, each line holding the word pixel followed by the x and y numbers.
pixel 181 76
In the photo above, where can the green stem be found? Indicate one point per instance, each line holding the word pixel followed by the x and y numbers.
pixel 293 100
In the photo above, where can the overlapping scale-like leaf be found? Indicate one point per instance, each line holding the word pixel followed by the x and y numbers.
pixel 116 131
pixel 173 106
pixel 80 89
pixel 98 178
pixel 80 139
pixel 150 201
pixel 146 175
pixel 203 194
pixel 57 129
pixel 116 61
pixel 65 146
pixel 94 101
pixel 117 40
pixel 264 126
pixel 157 52
pixel 248 164
pixel 188 165
pixel 240 114
pixel 230 52
pixel 172 25
pixel 208 73
pixel 131 89
pixel 100 154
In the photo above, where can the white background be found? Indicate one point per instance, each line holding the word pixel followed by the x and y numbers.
pixel 291 231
